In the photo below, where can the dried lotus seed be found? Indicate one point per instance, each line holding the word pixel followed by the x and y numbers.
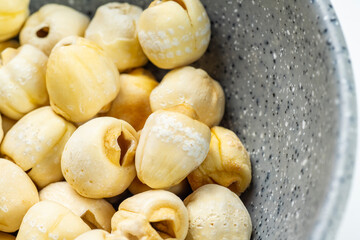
pixel 154 214
pixel 227 163
pixel 98 159
pixel 113 28
pixel 81 79
pixel 174 33
pixel 12 17
pixel 193 89
pixel 215 212
pixel 36 143
pixel 50 24
pixel 22 81
pixel 95 212
pixel 50 220
pixel 18 194
pixel 171 146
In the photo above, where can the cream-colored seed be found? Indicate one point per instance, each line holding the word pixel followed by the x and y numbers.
pixel 9 44
pixel 18 194
pixel 22 81
pixel 81 79
pixel 227 163
pixel 98 234
pixel 50 220
pixel 50 24
pixel 96 212
pixel 114 29
pixel 192 88
pixel 171 146
pixel 215 212
pixel 180 189
pixel 98 159
pixel 154 214
pixel 12 16
pixel 5 236
pixel 174 33
pixel 36 142
pixel 132 103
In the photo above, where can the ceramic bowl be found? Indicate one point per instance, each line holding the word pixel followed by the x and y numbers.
pixel 290 96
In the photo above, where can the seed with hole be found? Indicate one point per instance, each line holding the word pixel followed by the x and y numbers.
pixel 72 97
pixel 43 32
pixel 154 214
pixel 104 148
pixel 56 22
pixel 96 213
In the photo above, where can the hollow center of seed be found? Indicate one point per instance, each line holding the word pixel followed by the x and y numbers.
pixel 43 32
pixel 164 228
pixel 89 218
pixel 124 145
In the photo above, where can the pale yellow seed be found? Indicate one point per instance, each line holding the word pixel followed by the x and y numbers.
pixel 50 24
pixel 114 28
pixel 174 33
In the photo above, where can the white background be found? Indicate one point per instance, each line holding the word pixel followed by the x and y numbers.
pixel 348 12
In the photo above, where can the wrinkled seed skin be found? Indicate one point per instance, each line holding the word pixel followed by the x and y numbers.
pixel 22 81
pixel 227 163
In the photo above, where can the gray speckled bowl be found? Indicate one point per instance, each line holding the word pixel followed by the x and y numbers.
pixel 290 97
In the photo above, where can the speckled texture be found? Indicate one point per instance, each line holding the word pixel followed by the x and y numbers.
pixel 290 97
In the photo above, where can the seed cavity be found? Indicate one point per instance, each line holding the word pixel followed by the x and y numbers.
pixel 43 32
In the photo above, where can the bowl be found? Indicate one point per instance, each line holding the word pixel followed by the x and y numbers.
pixel 290 96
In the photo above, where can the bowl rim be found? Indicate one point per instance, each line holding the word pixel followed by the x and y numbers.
pixel 329 216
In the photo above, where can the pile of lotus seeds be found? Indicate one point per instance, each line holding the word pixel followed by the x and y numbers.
pixel 83 124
